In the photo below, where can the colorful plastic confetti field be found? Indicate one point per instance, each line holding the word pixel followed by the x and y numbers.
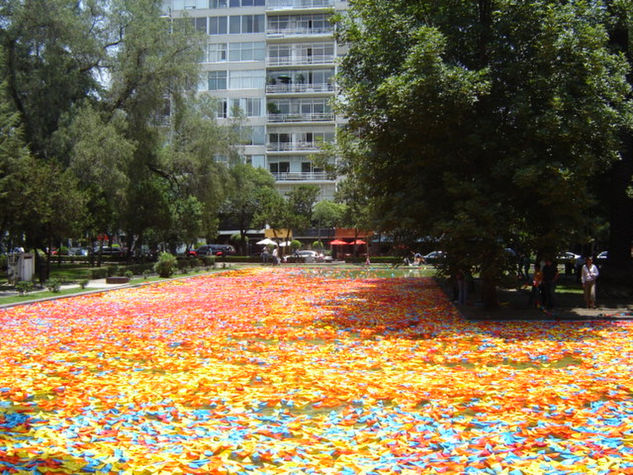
pixel 306 371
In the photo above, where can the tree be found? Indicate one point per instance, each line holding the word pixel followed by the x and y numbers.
pixel 301 200
pixel 249 187
pixel 619 184
pixel 14 158
pixel 327 213
pixel 480 121
pixel 50 62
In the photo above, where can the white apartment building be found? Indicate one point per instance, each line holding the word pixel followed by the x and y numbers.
pixel 276 61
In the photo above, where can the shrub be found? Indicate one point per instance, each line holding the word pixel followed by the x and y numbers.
pixel 53 285
pixel 24 286
pixel 129 274
pixel 208 260
pixel 166 264
pixel 83 283
pixel 99 273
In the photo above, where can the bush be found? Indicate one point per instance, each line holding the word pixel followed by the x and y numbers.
pixel 166 264
pixel 208 261
pixel 53 285
pixel 24 286
pixel 129 274
pixel 83 283
pixel 99 273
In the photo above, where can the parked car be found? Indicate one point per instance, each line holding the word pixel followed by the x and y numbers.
pixel 108 251
pixel 434 257
pixel 214 250
pixel 308 255
pixel 601 259
pixel 568 257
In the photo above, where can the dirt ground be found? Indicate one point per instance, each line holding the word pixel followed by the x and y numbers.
pixel 513 305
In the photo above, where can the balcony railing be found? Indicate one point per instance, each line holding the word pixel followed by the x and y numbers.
pixel 313 117
pixel 297 88
pixel 293 146
pixel 300 60
pixel 298 4
pixel 301 176
pixel 285 32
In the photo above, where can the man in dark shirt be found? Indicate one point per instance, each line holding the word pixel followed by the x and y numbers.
pixel 550 276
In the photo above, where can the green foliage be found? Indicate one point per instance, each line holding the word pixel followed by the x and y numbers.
pixel 479 122
pixel 129 274
pixel 328 213
pixel 166 264
pixel 99 273
pixel 53 285
pixel 24 286
pixel 83 283
pixel 318 245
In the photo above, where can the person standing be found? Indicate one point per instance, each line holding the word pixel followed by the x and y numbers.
pixel 537 288
pixel 588 277
pixel 550 276
pixel 275 257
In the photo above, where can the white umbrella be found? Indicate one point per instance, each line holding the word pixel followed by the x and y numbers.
pixel 266 242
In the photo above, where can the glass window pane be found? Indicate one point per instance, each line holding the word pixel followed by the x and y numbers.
pixel 260 24
pixel 234 51
pixel 235 3
pixel 201 24
pixel 222 25
pixel 235 25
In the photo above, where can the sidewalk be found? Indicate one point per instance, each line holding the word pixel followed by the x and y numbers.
pixel 95 285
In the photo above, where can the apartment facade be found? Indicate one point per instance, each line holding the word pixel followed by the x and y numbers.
pixel 276 61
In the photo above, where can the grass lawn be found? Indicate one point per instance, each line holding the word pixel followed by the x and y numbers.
pixel 307 370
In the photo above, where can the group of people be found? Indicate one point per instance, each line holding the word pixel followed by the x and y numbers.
pixel 545 278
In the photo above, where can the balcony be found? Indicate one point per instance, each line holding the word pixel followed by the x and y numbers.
pixel 298 4
pixel 292 32
pixel 301 176
pixel 312 117
pixel 298 88
pixel 293 146
pixel 300 60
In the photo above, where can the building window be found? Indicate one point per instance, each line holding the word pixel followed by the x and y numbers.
pixel 221 110
pixel 235 25
pixel 248 3
pixel 249 106
pixel 280 54
pixel 253 79
pixel 241 24
pixel 279 167
pixel 251 51
pixel 218 3
pixel 258 135
pixel 217 80
pixel 201 24
pixel 217 25
pixel 253 24
pixel 216 53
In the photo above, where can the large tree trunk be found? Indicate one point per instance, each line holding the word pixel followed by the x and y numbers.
pixel 618 273
pixel 619 269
